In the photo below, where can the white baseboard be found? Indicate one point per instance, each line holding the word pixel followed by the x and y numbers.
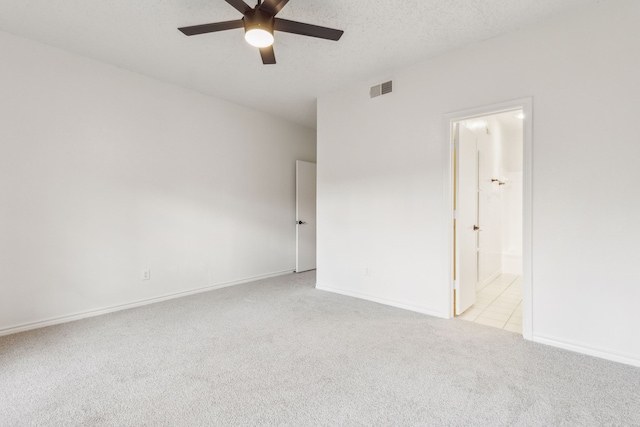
pixel 97 312
pixel 489 279
pixel 383 301
pixel 588 350
pixel 511 264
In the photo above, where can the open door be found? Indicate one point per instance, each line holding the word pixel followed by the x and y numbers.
pixel 466 218
pixel 305 216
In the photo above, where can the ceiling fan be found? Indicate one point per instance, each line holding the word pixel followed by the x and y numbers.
pixel 259 24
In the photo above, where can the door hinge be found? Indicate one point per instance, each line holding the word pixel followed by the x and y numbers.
pixel 455 214
pixel 456 284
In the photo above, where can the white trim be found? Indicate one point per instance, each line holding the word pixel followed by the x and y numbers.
pixel 384 301
pixel 588 350
pixel 100 311
pixel 449 213
pixel 526 105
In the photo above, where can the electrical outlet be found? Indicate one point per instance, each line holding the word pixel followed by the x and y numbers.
pixel 146 274
pixel 367 272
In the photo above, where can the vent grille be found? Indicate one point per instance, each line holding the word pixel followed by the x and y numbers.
pixel 387 87
pixel 381 89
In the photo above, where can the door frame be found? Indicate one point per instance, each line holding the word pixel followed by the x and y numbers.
pixel 526 105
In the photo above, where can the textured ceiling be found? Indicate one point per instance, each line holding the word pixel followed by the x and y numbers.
pixel 380 36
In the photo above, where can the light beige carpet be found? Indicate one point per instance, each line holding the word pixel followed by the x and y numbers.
pixel 279 352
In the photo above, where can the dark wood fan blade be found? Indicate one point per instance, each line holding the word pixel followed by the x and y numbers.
pixel 273 6
pixel 239 5
pixel 307 29
pixel 212 28
pixel 268 55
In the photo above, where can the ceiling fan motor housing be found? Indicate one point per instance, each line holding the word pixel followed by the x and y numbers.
pixel 258 19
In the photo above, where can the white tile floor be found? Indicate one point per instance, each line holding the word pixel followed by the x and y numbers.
pixel 499 304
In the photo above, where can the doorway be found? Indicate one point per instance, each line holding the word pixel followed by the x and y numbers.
pixel 490 190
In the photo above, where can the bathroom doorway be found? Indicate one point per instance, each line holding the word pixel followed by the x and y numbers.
pixel 488 193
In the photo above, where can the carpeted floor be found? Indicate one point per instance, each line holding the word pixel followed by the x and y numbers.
pixel 279 352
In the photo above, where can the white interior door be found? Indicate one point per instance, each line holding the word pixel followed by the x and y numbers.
pixel 305 216
pixel 466 218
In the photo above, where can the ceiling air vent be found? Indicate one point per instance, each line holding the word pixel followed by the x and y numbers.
pixel 381 89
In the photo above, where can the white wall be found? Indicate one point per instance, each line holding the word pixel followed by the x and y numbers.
pixel 104 173
pixel 381 176
pixel 510 131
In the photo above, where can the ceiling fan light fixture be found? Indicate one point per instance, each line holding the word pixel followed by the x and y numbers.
pixel 258 28
pixel 258 37
pixel 259 23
